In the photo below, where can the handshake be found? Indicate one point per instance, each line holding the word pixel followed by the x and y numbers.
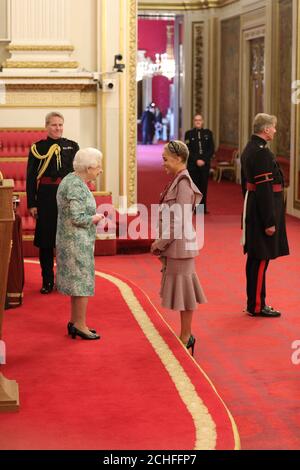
pixel 97 218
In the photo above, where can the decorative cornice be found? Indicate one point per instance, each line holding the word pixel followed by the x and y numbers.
pixel 254 33
pixel 224 3
pixel 40 65
pixel 175 6
pixel 184 5
pixel 51 86
pixel 32 47
pixel 47 99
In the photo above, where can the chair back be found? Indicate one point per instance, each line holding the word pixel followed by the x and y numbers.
pixel 234 157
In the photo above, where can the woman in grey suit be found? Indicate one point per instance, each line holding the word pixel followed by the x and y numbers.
pixel 176 244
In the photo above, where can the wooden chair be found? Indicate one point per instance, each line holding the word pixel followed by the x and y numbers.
pixel 9 390
pixel 227 166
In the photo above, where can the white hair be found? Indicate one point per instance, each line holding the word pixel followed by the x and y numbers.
pixel 86 158
pixel 261 121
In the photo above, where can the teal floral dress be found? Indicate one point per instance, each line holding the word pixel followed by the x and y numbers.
pixel 75 238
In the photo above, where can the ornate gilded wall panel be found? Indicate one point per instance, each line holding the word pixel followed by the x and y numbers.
pixel 132 104
pixel 285 78
pixel 44 99
pixel 197 67
pixel 296 112
pixel 47 97
pixel 257 77
pixel 229 96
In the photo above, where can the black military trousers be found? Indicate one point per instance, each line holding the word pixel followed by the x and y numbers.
pixel 46 256
pixel 147 136
pixel 200 179
pixel 256 284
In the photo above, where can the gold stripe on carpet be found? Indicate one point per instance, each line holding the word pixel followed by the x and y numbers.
pixel 205 428
pixel 237 441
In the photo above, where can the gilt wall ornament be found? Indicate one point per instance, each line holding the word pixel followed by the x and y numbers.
pixel 197 67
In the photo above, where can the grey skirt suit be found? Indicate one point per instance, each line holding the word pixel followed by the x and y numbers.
pixel 180 286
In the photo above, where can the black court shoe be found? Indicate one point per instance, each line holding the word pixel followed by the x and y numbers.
pixel 191 343
pixel 47 288
pixel 69 328
pixel 75 332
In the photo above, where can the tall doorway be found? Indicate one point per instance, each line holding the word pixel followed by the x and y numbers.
pixel 159 78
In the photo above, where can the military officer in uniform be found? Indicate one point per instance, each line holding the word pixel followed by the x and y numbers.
pixel 200 143
pixel 48 162
pixel 264 231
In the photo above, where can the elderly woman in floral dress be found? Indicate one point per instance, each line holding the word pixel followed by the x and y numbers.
pixel 75 239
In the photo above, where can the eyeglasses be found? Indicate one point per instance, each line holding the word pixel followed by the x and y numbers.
pixel 174 147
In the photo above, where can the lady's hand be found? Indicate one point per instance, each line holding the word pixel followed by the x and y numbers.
pixel 155 251
pixel 97 217
pixel 33 212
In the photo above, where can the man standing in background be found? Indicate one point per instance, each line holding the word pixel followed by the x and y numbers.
pixel 264 231
pixel 201 146
pixel 147 121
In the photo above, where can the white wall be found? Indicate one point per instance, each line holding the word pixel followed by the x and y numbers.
pixel 83 32
pixel 80 123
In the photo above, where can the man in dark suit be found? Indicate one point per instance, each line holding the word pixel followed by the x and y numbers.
pixel 200 143
pixel 264 232
pixel 49 161
pixel 147 121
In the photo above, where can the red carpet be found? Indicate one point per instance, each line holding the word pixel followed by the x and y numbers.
pixel 151 177
pixel 248 359
pixel 136 388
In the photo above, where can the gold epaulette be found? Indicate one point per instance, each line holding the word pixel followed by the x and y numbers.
pixel 45 159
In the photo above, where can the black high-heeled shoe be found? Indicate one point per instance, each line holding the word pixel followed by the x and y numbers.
pixel 191 344
pixel 70 324
pixel 75 332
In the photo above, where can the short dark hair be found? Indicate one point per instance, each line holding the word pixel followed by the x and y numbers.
pixel 179 148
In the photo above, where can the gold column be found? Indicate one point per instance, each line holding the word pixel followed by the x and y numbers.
pixel 214 77
pixel 197 98
pixel 131 112
pixel 294 204
pixel 118 109
pixel 103 95
pixel 122 190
